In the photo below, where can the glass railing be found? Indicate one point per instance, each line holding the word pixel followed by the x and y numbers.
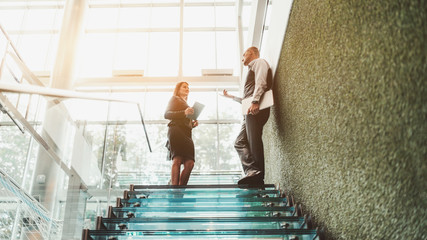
pixel 59 137
pixel 56 146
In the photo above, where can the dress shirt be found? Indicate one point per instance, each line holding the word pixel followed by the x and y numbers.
pixel 260 67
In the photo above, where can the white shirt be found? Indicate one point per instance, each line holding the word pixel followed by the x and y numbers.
pixel 260 67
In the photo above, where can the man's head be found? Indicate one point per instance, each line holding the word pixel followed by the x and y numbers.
pixel 250 54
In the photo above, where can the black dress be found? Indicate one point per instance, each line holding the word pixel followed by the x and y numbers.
pixel 179 141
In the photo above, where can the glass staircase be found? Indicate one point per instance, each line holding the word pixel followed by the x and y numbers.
pixel 200 211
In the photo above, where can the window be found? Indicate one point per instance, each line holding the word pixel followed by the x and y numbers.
pixel 199 52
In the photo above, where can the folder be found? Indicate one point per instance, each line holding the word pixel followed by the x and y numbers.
pixel 266 101
pixel 198 107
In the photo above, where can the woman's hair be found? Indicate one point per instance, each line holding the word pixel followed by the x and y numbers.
pixel 177 87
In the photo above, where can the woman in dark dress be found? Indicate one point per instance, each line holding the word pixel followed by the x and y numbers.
pixel 180 144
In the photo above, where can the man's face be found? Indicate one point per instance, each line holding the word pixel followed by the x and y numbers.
pixel 247 57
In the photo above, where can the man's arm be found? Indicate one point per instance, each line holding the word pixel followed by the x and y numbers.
pixel 226 94
pixel 260 69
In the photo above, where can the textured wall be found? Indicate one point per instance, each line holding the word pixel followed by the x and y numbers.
pixel 348 134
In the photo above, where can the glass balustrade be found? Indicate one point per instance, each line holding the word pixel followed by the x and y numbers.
pixel 56 145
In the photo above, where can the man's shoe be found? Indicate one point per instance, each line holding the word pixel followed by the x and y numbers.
pixel 245 180
pixel 254 179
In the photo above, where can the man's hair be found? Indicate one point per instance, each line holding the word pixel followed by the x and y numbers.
pixel 177 87
pixel 254 50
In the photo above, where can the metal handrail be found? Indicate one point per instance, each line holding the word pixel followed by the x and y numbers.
pixel 52 92
pixel 25 197
pixel 59 93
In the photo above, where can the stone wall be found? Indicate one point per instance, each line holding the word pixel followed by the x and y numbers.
pixel 348 135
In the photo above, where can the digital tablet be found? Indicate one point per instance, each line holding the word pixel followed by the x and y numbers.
pixel 198 107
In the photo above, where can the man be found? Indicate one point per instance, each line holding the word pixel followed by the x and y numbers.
pixel 249 144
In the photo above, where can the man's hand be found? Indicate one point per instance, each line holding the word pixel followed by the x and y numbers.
pixel 253 109
pixel 226 94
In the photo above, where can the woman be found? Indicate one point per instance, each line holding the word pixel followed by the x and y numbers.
pixel 180 144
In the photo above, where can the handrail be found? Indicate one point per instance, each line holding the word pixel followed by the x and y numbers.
pixel 10 41
pixel 32 209
pixel 18 59
pixel 54 92
pixel 25 197
pixel 143 125
pixel 34 133
pixel 59 93
pixel 3 110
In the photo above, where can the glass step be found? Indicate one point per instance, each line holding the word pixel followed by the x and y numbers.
pixel 203 223
pixel 165 191
pixel 163 178
pixel 198 186
pixel 210 194
pixel 178 209
pixel 206 214
pixel 209 225
pixel 226 201
pixel 202 211
pixel 201 180
pixel 302 234
pixel 265 194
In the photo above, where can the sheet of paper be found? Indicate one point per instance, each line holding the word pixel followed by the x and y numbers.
pixel 266 101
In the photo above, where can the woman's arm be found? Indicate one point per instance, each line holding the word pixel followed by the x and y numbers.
pixel 169 114
pixel 177 109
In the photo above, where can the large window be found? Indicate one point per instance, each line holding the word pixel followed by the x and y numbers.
pixel 136 34
pixel 165 38
pixel 33 28
pixel 148 37
pixel 126 152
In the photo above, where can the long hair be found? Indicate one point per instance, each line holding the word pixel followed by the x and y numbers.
pixel 177 87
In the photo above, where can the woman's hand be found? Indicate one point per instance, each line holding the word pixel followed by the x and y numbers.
pixel 189 111
pixel 195 123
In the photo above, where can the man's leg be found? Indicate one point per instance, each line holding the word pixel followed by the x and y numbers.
pixel 242 147
pixel 254 126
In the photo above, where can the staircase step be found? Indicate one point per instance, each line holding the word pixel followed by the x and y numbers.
pixel 199 186
pixel 217 211
pixel 202 201
pixel 198 234
pixel 192 223
pixel 200 193
pixel 228 190
pixel 202 211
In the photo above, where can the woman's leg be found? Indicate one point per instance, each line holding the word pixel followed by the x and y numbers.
pixel 185 175
pixel 176 169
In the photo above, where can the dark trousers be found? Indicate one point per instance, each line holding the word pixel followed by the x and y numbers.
pixel 249 144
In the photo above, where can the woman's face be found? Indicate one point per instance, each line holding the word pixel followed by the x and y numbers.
pixel 183 90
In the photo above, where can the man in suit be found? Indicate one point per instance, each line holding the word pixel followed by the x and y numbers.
pixel 249 143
